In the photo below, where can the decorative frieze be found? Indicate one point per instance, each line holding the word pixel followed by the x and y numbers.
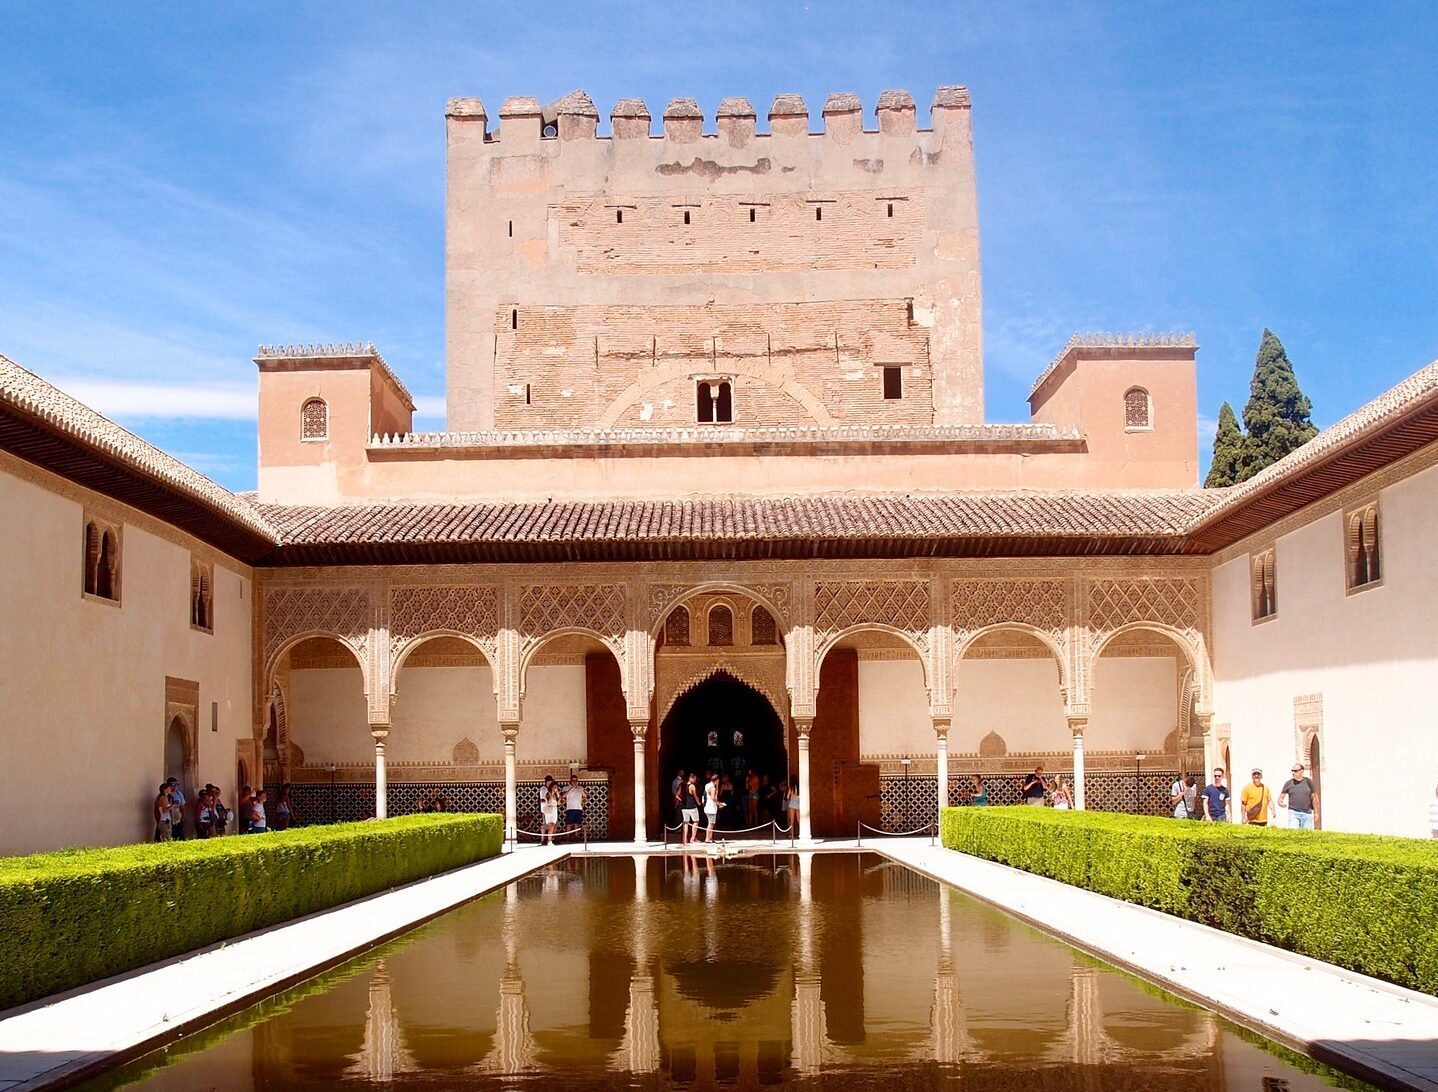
pixel 544 608
pixel 337 611
pixel 417 610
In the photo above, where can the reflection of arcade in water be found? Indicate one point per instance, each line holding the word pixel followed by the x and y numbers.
pixel 759 972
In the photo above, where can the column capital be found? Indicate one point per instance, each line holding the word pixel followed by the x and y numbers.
pixel 803 726
pixel 942 724
pixel 639 729
pixel 379 731
pixel 510 730
pixel 1078 724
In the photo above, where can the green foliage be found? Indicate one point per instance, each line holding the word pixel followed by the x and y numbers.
pixel 1227 450
pixel 1276 416
pixel 1364 902
pixel 79 915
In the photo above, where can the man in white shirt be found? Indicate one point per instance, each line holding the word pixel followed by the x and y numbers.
pixel 575 796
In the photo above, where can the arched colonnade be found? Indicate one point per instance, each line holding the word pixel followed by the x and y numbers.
pixel 942 614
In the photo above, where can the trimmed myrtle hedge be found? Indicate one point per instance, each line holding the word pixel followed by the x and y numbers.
pixel 83 914
pixel 1365 902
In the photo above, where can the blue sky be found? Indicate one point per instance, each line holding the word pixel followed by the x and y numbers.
pixel 181 182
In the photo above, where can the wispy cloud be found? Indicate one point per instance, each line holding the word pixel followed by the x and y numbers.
pixel 120 398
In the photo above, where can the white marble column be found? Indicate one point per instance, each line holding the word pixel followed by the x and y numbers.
pixel 941 756
pixel 806 830
pixel 381 777
pixel 640 729
pixel 1077 725
pixel 511 800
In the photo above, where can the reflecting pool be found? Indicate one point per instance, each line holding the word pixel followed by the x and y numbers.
pixel 768 971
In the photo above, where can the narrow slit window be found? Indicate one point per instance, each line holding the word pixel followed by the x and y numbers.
pixel 909 310
pixel 751 216
pixel 686 216
pixel 619 216
pixel 514 318
pixel 511 229
pixel 893 383
pixel 526 394
pixel 818 212
pixel 891 210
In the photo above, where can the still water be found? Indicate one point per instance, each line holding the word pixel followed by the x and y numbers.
pixel 770 971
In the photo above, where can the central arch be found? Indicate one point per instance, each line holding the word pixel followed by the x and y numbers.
pixel 725 725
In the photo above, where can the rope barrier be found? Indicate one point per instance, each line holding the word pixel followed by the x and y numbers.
pixel 540 835
pixel 930 829
pixel 725 835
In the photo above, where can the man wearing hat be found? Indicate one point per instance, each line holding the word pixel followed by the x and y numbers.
pixel 1255 803
pixel 1300 797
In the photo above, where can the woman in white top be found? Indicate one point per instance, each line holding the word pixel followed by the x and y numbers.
pixel 791 803
pixel 549 809
pixel 1063 797
pixel 711 806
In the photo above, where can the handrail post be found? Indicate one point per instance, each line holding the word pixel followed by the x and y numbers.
pixel 859 832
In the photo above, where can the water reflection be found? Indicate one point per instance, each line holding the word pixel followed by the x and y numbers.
pixel 768 971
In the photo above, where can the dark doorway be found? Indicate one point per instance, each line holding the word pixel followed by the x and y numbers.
pixel 727 726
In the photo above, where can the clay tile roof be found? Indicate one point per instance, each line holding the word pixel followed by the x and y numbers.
pixel 842 102
pixel 738 107
pixel 952 96
pixel 896 100
pixel 25 398
pixel 520 106
pixel 629 108
pixel 788 105
pixel 682 108
pixel 575 103
pixel 464 108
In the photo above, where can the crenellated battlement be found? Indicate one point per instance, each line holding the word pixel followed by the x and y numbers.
pixel 522 120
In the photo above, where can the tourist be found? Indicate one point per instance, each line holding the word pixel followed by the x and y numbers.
pixel 177 810
pixel 1215 799
pixel 978 791
pixel 545 786
pixel 751 799
pixel 791 804
pixel 1184 797
pixel 257 821
pixel 242 809
pixel 549 810
pixel 204 814
pixel 1300 796
pixel 689 810
pixel 222 813
pixel 712 804
pixel 1255 802
pixel 161 813
pixel 285 813
pixel 575 797
pixel 1063 796
pixel 1034 788
pixel 676 792
pixel 726 797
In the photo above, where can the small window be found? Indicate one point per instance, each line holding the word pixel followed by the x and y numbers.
pixel 762 630
pixel 619 216
pixel 891 210
pixel 818 212
pixel 1137 410
pixel 1365 564
pixel 724 405
pixel 714 402
pixel 511 229
pixel 1265 586
pixel 101 576
pixel 526 394
pixel 751 216
pixel 202 595
pixel 314 420
pixel 676 628
pixel 909 311
pixel 893 383
pixel 686 216
pixel 514 318
pixel 721 626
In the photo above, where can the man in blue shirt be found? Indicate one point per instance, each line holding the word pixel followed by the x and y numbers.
pixel 1215 798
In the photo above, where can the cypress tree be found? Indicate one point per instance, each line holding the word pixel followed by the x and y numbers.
pixel 1276 416
pixel 1227 450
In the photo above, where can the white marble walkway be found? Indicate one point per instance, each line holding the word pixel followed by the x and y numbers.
pixel 55 1042
pixel 1374 1030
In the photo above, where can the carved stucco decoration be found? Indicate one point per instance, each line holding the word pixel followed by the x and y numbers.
pixel 899 604
pixel 777 597
pixel 1113 604
pixel 544 608
pixel 465 753
pixel 1041 604
pixel 341 612
pixel 677 677
pixel 993 746
pixel 466 609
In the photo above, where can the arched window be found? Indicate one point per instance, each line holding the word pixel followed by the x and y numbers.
pixel 202 599
pixel 721 626
pixel 314 420
pixel 1137 409
pixel 676 627
pixel 714 402
pixel 1265 586
pixel 1364 561
pixel 762 630
pixel 92 559
pixel 107 571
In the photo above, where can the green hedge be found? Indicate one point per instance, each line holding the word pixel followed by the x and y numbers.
pixel 79 915
pixel 1364 902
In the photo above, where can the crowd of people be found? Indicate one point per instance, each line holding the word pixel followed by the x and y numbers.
pixel 177 818
pixel 699 806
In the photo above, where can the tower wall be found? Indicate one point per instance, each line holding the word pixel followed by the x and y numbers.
pixel 596 280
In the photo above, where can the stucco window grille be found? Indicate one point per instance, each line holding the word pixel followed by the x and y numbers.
pixel 314 420
pixel 1265 586
pixel 202 595
pixel 1137 409
pixel 762 630
pixel 714 402
pixel 1365 563
pixel 893 383
pixel 676 627
pixel 721 626
pixel 101 577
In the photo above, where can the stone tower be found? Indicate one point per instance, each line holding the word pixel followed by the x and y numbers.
pixel 788 278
